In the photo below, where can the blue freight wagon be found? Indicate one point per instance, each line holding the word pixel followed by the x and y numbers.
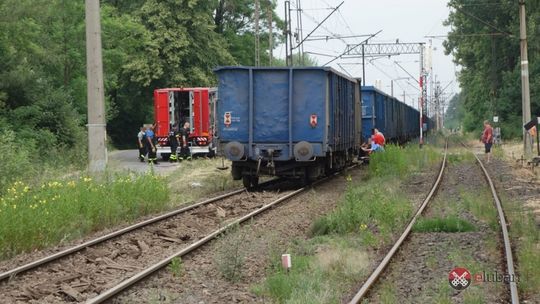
pixel 398 121
pixel 300 122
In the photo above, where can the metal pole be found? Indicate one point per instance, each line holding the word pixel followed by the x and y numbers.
pixel 257 40
pixel 363 67
pixel 97 151
pixel 392 87
pixel 525 94
pixel 300 32
pixel 289 32
pixel 421 96
pixel 270 36
pixel 287 21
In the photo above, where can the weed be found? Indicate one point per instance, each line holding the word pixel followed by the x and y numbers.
pixel 318 278
pixel 388 293
pixel 431 262
pixel 398 161
pixel 526 235
pixel 176 266
pixel 231 253
pixel 473 296
pixel 367 209
pixel 480 204
pixel 443 293
pixel 464 157
pixel 449 224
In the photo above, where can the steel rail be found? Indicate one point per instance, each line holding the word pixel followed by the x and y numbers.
pixel 63 253
pixel 507 246
pixel 148 271
pixel 386 260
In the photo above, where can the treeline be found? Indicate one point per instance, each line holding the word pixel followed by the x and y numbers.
pixel 484 40
pixel 147 44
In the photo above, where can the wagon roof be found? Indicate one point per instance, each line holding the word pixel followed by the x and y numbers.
pixel 374 89
pixel 328 69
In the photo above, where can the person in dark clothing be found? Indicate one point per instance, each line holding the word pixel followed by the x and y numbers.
pixel 184 142
pixel 151 142
pixel 141 139
pixel 174 142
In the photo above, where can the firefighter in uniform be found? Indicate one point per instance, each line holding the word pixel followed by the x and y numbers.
pixel 174 143
pixel 151 142
pixel 141 143
pixel 184 140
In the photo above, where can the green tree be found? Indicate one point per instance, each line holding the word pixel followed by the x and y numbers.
pixel 484 40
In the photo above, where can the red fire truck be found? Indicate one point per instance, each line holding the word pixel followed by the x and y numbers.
pixel 175 106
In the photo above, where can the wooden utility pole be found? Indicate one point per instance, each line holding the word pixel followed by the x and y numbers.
pixel 97 151
pixel 525 94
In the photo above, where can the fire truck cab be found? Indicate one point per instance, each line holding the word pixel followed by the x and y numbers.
pixel 175 106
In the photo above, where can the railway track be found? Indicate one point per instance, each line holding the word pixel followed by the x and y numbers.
pixel 379 270
pixel 100 249
pixel 99 269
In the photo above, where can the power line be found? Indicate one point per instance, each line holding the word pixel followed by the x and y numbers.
pixel 350 48
pixel 319 25
pixel 466 35
pixel 319 38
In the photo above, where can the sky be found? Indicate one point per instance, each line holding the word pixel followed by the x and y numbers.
pixel 406 20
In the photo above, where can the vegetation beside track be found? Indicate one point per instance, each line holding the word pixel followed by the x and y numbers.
pixel 525 238
pixel 34 217
pixel 371 213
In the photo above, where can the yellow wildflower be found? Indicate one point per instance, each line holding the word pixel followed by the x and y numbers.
pixel 349 178
pixel 363 227
pixel 14 206
pixel 26 188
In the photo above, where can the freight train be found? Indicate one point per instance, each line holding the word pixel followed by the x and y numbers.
pixel 398 121
pixel 301 122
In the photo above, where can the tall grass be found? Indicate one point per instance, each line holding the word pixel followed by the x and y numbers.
pixel 40 216
pixel 399 161
pixel 375 207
